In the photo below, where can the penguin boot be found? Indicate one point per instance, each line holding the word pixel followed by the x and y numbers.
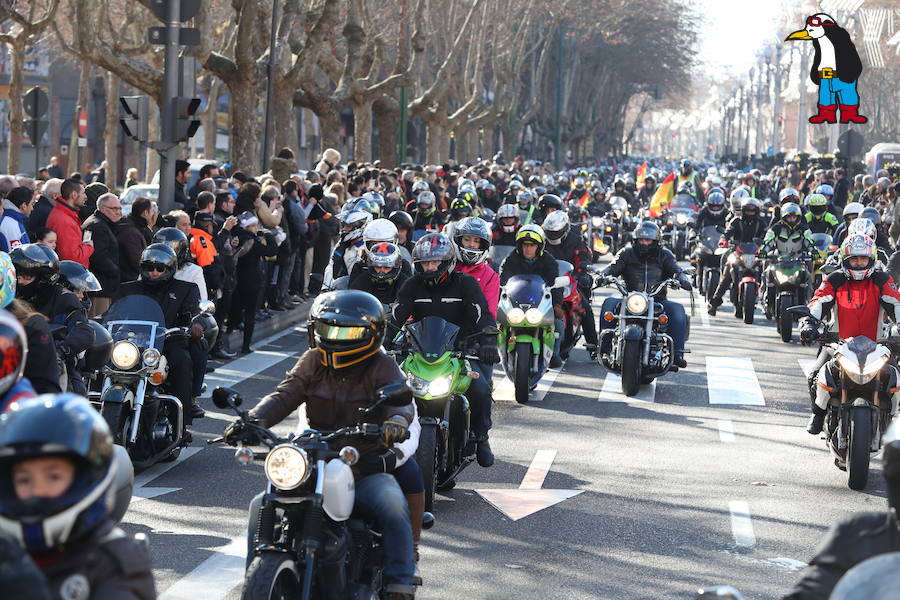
pixel 827 114
pixel 849 114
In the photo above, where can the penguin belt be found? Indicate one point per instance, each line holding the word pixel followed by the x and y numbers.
pixel 827 74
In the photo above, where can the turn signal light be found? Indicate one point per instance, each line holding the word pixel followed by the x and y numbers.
pixel 663 319
pixel 157 378
pixel 608 316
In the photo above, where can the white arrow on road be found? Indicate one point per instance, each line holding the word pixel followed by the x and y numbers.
pixel 529 498
pixel 141 492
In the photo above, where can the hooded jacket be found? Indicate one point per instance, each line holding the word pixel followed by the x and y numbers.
pixel 488 281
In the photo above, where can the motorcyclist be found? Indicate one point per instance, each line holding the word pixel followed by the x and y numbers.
pixel 619 190
pixel 866 294
pixel 789 237
pixel 547 204
pixel 527 209
pixel 642 265
pixel 713 213
pixel 437 290
pixel 77 279
pixel 512 191
pixel 578 194
pixel 645 195
pixel 850 212
pixel 529 258
pixel 459 209
pixel 858 537
pixel 565 243
pixel 687 174
pixel 405 228
pixel 37 274
pixel 737 197
pixel 350 247
pixel 426 218
pixel 13 386
pixel 505 226
pixel 819 219
pixel 383 274
pixel 58 468
pixel 489 197
pixel 599 204
pixel 473 241
pixel 750 226
pixel 784 196
pixel 180 303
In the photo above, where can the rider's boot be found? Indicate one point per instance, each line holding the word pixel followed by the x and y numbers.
pixel 483 453
pixel 816 422
pixel 679 360
pixel 416 503
pixel 592 351
pixel 555 361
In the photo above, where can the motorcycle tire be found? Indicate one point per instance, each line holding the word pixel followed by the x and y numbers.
pixel 523 372
pixel 117 417
pixel 428 458
pixel 631 367
pixel 172 456
pixel 858 448
pixel 749 304
pixel 272 576
pixel 712 284
pixel 785 322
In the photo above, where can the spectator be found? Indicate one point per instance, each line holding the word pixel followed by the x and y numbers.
pixel 7 183
pixel 203 249
pixel 134 234
pixel 202 185
pixel 225 223
pixel 46 237
pixel 43 174
pixel 64 221
pixel 206 202
pixel 329 227
pixel 131 178
pixel 16 208
pixel 54 169
pixel 182 173
pixel 104 262
pixel 283 165
pixel 330 160
pixel 92 192
pixel 253 245
pixel 41 210
pixel 841 189
pixel 180 221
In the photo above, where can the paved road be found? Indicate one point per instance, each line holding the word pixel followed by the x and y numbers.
pixel 709 477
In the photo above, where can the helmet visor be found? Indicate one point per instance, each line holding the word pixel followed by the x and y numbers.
pixel 340 333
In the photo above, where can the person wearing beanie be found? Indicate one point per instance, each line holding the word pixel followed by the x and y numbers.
pixel 283 165
pixel 92 191
pixel 16 208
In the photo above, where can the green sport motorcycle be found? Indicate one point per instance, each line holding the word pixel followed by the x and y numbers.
pixel 439 376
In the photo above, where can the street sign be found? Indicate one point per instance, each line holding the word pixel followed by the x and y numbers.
pixel 35 129
pixel 82 122
pixel 187 36
pixel 189 8
pixel 35 103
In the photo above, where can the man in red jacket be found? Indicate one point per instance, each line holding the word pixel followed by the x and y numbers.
pixel 63 219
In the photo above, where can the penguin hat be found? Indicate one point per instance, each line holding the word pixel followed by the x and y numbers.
pixel 836 68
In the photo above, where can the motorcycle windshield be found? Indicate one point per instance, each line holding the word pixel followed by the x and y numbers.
pixel 748 247
pixel 497 254
pixel 821 241
pixel 709 236
pixel 525 289
pixel 683 201
pixel 138 319
pixel 433 336
pixel 789 266
pixel 618 203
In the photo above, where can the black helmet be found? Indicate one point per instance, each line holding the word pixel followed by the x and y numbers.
pixel 401 219
pixel 686 166
pixel 647 230
pixel 547 202
pixel 156 256
pixel 477 228
pixel 210 327
pixel 38 261
pixel 73 276
pixel 14 346
pixel 346 327
pixel 98 353
pixel 384 254
pixel 434 246
pixel 890 460
pixel 460 209
pixel 176 240
pixel 66 426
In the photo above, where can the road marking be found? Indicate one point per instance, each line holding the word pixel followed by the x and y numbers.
pixel 612 391
pixel 505 390
pixel 806 364
pixel 141 492
pixel 529 498
pixel 726 431
pixel 741 524
pixel 704 319
pixel 214 577
pixel 244 368
pixel 732 380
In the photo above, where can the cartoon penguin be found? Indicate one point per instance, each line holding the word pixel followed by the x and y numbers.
pixel 835 69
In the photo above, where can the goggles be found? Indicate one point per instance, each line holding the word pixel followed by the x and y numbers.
pixel 817 22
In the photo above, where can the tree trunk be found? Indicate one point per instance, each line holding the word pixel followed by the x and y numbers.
pixel 210 117
pixel 111 133
pixel 386 113
pixel 362 132
pixel 152 165
pixel 463 150
pixel 16 114
pixel 434 133
pixel 329 131
pixel 284 129
pixel 244 129
pixel 76 154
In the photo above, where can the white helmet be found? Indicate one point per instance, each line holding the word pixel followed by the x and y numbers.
pixel 352 224
pixel 556 226
pixel 420 186
pixel 862 226
pixel 740 192
pixel 854 208
pixel 380 230
pixel 466 185
pixel 858 246
pixel 508 211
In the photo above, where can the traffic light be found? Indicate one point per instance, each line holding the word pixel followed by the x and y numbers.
pixel 134 121
pixel 185 123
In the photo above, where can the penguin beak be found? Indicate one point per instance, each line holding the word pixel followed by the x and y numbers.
pixel 801 34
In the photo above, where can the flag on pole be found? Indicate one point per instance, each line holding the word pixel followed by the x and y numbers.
pixel 584 200
pixel 663 196
pixel 641 175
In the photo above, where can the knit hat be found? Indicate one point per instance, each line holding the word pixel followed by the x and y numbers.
pixel 316 191
pixel 94 191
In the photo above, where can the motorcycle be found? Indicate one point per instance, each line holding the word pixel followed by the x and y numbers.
pixel 786 285
pixel 527 330
pixel 682 212
pixel 439 376
pixel 640 348
pixel 307 544
pixel 143 419
pixel 572 308
pixel 744 264
pixel 603 235
pixel 823 245
pixel 857 416
pixel 706 261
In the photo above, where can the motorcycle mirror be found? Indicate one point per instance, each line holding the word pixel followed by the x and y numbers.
pixel 873 579
pixel 225 397
pixel 393 394
pixel 561 281
pixel 801 310
pixel 207 306
pixel 724 592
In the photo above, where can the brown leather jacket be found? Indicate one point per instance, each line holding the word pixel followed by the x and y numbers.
pixel 333 397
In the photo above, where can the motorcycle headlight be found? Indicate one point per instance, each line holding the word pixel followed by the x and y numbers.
pixel 597 221
pixel 681 218
pixel 125 355
pixel 748 260
pixel 534 316
pixel 417 384
pixel 440 386
pixel 515 315
pixel 875 365
pixel 150 357
pixel 608 229
pixel 636 304
pixel 287 467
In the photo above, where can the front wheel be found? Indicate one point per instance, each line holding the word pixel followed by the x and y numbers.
pixel 785 322
pixel 271 576
pixel 631 367
pixel 858 448
pixel 523 371
pixel 749 303
pixel 427 457
pixel 118 417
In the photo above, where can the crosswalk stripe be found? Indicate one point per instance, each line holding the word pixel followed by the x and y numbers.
pixel 505 391
pixel 726 431
pixel 806 364
pixel 741 524
pixel 214 577
pixel 612 391
pixel 732 380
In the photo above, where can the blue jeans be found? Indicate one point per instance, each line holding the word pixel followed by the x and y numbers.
pixel 479 395
pixel 677 321
pixel 409 477
pixel 834 91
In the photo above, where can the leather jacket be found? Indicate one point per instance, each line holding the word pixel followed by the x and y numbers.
pixel 641 274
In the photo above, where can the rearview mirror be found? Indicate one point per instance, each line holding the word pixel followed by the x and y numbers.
pixel 394 394
pixel 206 306
pixel 560 282
pixel 225 397
pixel 801 310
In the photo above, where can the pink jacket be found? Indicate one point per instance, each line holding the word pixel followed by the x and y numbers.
pixel 489 281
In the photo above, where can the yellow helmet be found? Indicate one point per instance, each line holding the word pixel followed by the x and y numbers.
pixel 531 234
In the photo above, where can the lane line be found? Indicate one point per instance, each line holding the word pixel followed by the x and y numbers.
pixel 806 364
pixel 732 380
pixel 140 492
pixel 612 391
pixel 726 431
pixel 704 320
pixel 243 368
pixel 537 470
pixel 505 391
pixel 741 524
pixel 214 577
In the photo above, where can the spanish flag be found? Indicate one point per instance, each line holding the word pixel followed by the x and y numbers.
pixel 641 175
pixel 663 196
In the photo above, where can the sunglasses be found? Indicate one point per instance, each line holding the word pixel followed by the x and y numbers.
pixel 817 22
pixel 150 267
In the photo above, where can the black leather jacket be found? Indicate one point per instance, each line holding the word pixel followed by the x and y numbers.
pixel 740 231
pixel 849 543
pixel 642 274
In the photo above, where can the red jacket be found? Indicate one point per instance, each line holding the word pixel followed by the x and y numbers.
pixel 488 281
pixel 859 303
pixel 64 221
